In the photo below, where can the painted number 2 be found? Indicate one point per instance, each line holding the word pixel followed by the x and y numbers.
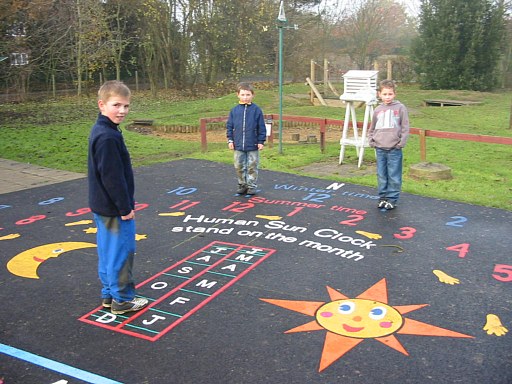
pixel 458 221
pixel 353 219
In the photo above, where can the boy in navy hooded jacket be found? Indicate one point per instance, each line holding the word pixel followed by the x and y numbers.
pixel 246 133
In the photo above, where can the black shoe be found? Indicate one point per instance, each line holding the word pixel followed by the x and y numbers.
pixel 250 192
pixel 241 189
pixel 128 306
pixel 389 205
pixel 382 203
pixel 106 303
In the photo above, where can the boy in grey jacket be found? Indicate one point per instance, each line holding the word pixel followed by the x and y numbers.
pixel 388 134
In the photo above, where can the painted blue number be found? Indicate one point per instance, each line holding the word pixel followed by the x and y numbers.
pixel 457 222
pixel 317 197
pixel 51 201
pixel 180 191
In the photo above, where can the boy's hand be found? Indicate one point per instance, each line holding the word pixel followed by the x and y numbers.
pixel 231 146
pixel 260 147
pixel 129 216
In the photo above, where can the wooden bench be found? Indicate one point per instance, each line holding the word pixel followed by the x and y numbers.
pixel 448 103
pixel 143 122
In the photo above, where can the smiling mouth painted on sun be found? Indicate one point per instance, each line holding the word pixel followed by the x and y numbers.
pixel 349 321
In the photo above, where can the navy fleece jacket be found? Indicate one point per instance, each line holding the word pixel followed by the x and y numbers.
pixel 110 173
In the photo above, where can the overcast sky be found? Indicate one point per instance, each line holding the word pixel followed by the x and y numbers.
pixel 411 6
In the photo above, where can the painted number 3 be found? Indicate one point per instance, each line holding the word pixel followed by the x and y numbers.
pixel 406 233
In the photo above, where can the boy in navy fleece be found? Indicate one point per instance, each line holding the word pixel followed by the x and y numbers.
pixel 246 133
pixel 111 199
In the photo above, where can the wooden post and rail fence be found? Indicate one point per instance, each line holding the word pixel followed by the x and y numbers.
pixel 323 123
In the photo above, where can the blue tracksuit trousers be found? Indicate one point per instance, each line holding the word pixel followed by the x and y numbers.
pixel 116 251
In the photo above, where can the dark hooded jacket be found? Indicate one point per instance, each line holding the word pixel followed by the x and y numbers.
pixel 246 127
pixel 110 173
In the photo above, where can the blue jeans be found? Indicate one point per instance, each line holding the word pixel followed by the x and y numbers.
pixel 246 167
pixel 116 251
pixel 389 173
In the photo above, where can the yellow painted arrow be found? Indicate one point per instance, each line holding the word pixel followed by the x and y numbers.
pixel 172 214
pixel 269 217
pixel 81 222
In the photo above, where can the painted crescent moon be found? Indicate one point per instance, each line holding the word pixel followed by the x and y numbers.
pixel 25 264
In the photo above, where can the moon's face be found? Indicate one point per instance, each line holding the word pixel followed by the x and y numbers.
pixel 359 318
pixel 25 264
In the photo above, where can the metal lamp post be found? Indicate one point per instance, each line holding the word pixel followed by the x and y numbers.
pixel 281 25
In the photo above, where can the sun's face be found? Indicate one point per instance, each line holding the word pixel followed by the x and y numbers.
pixel 359 318
pixel 349 321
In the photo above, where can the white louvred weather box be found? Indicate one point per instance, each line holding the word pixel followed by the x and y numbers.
pixel 360 86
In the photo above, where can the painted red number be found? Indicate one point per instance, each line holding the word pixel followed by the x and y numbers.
pixel 463 249
pixel 183 205
pixel 78 212
pixel 30 220
pixel 140 206
pixel 295 210
pixel 503 269
pixel 407 233
pixel 353 221
pixel 241 207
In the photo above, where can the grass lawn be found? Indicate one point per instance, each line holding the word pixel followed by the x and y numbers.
pixel 53 133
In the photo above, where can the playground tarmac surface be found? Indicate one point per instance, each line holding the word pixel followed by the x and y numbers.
pixel 306 282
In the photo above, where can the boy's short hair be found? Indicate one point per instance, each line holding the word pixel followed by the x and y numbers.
pixel 113 88
pixel 244 87
pixel 390 84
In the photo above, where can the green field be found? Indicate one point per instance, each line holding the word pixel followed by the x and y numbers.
pixel 53 133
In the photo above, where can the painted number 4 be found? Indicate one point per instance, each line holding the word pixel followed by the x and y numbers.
pixel 463 249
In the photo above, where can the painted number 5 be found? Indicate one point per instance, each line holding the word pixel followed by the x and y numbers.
pixel 503 272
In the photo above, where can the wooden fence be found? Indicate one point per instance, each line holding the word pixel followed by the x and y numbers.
pixel 323 123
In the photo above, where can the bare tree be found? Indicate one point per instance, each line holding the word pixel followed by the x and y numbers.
pixel 372 28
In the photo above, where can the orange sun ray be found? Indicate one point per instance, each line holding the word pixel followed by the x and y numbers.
pixel 377 292
pixel 414 327
pixel 305 307
pixel 335 295
pixel 392 342
pixel 335 346
pixel 409 308
pixel 311 326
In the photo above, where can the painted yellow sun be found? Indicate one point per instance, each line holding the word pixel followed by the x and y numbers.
pixel 349 321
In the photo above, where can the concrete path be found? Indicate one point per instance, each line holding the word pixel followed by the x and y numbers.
pixel 15 176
